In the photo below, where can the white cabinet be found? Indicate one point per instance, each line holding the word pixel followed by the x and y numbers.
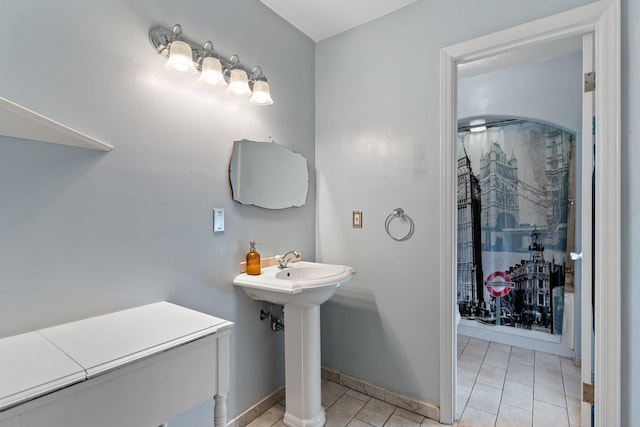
pixel 31 366
pixel 137 367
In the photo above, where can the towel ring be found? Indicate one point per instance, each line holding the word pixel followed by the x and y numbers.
pixel 399 212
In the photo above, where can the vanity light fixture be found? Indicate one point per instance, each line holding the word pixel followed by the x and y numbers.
pixel 180 55
pixel 187 57
pixel 261 94
pixel 238 79
pixel 211 68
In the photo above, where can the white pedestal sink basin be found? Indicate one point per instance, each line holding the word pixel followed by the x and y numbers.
pixel 300 288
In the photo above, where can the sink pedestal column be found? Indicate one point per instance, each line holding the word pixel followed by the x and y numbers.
pixel 302 366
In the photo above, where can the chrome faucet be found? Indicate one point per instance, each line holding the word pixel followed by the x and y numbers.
pixel 283 260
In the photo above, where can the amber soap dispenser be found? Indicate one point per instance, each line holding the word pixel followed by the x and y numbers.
pixel 253 260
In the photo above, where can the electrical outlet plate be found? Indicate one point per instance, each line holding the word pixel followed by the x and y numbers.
pixel 357 219
pixel 218 220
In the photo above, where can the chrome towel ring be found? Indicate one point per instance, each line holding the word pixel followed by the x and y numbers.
pixel 399 213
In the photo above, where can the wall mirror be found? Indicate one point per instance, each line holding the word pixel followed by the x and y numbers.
pixel 268 175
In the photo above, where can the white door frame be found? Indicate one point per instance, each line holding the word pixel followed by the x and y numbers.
pixel 603 19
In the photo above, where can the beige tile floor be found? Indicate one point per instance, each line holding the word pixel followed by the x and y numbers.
pixel 498 386
pixel 346 407
pixel 505 386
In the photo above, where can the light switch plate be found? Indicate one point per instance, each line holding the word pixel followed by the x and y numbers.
pixel 218 220
pixel 357 219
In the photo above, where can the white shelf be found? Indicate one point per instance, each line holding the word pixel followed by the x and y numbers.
pixel 20 122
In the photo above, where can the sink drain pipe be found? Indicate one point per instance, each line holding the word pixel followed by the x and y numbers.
pixel 277 323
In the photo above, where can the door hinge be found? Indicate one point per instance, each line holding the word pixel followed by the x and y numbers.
pixel 587 393
pixel 590 81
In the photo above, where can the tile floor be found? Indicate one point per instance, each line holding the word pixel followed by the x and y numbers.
pixel 504 386
pixel 346 407
pixel 498 386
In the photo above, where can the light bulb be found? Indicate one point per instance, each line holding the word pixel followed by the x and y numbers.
pixel 239 83
pixel 212 72
pixel 180 58
pixel 261 94
pixel 478 125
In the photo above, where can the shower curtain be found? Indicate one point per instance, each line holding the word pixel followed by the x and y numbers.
pixel 513 210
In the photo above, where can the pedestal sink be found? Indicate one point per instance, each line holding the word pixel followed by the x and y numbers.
pixel 300 288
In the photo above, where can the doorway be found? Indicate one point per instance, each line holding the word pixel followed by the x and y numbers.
pixel 524 164
pixel 602 19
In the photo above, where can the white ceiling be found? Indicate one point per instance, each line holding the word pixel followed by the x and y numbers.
pixel 320 19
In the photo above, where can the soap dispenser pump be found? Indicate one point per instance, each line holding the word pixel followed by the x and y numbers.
pixel 253 260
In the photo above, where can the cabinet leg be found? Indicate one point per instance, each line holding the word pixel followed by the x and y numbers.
pixel 220 410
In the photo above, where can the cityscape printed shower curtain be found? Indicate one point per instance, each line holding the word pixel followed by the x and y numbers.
pixel 513 183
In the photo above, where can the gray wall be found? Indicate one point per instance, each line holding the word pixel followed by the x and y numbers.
pixel 551 88
pixel 377 148
pixel 86 233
